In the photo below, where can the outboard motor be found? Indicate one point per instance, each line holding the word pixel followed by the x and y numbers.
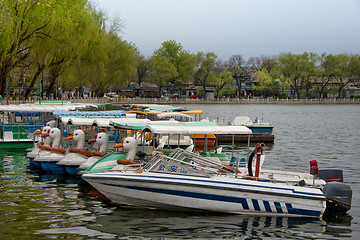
pixel 331 175
pixel 338 196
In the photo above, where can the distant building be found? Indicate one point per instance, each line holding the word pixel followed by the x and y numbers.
pixel 145 89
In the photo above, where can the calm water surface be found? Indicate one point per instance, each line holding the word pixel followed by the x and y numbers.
pixel 34 206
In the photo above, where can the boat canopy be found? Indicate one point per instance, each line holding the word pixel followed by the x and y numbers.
pixel 114 113
pixel 187 130
pixel 174 115
pixel 77 121
pixel 139 124
pixel 137 112
pixel 40 108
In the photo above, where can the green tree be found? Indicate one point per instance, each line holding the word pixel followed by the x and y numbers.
pixel 162 71
pixel 222 82
pixel 310 68
pixel 267 84
pixel 142 68
pixel 348 70
pixel 22 22
pixel 107 61
pixel 292 68
pixel 237 73
pixel 205 63
pixel 181 59
pixel 329 70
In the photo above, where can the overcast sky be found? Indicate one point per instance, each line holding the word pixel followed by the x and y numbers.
pixel 250 28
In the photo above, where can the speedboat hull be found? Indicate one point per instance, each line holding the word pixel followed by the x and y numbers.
pixel 219 194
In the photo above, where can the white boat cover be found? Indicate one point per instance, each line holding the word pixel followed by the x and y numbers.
pixel 40 108
pixel 114 113
pixel 174 114
pixel 163 129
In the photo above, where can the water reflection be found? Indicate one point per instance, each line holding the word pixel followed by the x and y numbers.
pixel 159 224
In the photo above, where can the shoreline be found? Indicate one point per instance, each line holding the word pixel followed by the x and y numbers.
pixel 168 101
pixel 235 101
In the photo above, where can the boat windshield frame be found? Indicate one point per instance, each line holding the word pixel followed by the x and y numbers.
pixel 182 162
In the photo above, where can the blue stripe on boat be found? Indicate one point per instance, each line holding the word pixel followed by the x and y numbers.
pixel 256 204
pixel 278 207
pixel 267 206
pixel 214 197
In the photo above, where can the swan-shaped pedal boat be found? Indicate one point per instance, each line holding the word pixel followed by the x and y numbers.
pixel 129 145
pixel 43 130
pixel 102 139
pixel 39 148
pixel 111 160
pixel 76 156
pixel 53 154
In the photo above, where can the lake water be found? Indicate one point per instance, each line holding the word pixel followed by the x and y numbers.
pixel 34 206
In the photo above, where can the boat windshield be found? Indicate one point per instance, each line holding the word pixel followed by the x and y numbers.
pixel 183 162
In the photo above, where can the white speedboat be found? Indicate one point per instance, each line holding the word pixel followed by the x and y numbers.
pixel 197 183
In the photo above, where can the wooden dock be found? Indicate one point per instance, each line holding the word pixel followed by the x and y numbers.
pixel 266 138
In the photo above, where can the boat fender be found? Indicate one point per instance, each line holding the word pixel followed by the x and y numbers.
pixel 126 162
pixel 59 150
pixel 99 154
pixel 48 148
pixel 84 152
pixel 74 150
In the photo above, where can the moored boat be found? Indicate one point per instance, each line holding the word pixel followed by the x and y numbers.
pixel 258 126
pixel 169 182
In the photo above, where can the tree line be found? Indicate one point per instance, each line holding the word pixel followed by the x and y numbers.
pixel 70 44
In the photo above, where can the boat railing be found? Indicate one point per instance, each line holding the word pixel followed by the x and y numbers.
pixel 18 131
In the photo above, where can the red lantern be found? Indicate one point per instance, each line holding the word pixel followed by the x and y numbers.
pixel 313 163
pixel 314 170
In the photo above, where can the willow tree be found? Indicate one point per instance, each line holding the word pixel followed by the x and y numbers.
pixel 106 60
pixel 68 34
pixel 22 22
